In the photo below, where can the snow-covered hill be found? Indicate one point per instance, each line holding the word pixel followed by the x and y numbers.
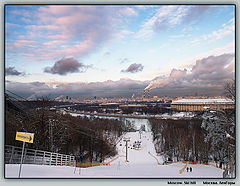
pixel 142 162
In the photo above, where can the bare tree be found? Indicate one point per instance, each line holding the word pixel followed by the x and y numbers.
pixel 230 90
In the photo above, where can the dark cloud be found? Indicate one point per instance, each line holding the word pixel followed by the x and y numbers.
pixel 120 88
pixel 214 68
pixel 210 72
pixel 29 89
pixel 65 66
pixel 133 68
pixel 11 71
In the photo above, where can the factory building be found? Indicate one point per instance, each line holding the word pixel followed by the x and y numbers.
pixel 201 104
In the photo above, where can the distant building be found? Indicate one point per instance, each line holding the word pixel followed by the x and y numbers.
pixel 133 108
pixel 201 104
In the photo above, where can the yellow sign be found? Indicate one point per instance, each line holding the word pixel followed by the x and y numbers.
pixel 24 136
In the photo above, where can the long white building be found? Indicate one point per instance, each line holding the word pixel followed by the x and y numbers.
pixel 201 104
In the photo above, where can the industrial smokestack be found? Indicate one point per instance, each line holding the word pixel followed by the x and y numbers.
pixel 146 93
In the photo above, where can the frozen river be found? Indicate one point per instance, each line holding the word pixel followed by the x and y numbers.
pixel 137 122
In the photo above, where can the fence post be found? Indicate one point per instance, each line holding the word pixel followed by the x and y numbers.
pixel 50 162
pixel 11 158
pixel 61 159
pixel 56 159
pixel 73 160
pixel 43 157
pixel 68 160
pixel 35 153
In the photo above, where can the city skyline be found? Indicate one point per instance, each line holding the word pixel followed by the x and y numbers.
pixel 119 49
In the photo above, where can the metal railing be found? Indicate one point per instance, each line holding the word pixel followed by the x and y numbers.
pixel 12 155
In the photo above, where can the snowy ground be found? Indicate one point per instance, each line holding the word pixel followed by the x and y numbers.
pixel 141 164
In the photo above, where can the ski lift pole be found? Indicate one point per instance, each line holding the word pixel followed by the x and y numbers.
pixel 126 140
pixel 79 168
pixel 80 159
pixel 20 169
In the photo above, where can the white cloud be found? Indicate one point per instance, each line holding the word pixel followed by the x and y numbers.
pixel 167 17
pixel 164 18
pixel 227 29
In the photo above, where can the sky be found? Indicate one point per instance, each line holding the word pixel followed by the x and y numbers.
pixel 118 50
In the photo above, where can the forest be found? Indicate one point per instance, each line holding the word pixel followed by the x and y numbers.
pixel 180 140
pixel 89 139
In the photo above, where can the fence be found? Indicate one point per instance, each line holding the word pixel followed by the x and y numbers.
pixel 12 155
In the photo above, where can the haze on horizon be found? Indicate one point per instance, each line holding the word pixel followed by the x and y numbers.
pixel 118 50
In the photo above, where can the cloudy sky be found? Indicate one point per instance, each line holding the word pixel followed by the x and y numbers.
pixel 118 50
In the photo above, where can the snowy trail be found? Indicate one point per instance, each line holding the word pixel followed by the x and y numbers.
pixel 141 165
pixel 140 156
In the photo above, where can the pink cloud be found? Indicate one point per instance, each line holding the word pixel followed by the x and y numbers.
pixel 127 11
pixel 68 31
pixel 79 49
pixel 57 9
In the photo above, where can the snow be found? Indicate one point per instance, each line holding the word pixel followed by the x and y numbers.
pixel 140 165
pixel 178 115
pixel 183 114
pixel 137 121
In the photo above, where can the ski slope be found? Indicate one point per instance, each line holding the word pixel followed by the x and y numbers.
pixel 142 163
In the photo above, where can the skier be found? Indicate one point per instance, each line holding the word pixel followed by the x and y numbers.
pixel 190 169
pixel 187 169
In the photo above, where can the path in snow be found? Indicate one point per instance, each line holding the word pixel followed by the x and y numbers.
pixel 140 156
pixel 141 164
